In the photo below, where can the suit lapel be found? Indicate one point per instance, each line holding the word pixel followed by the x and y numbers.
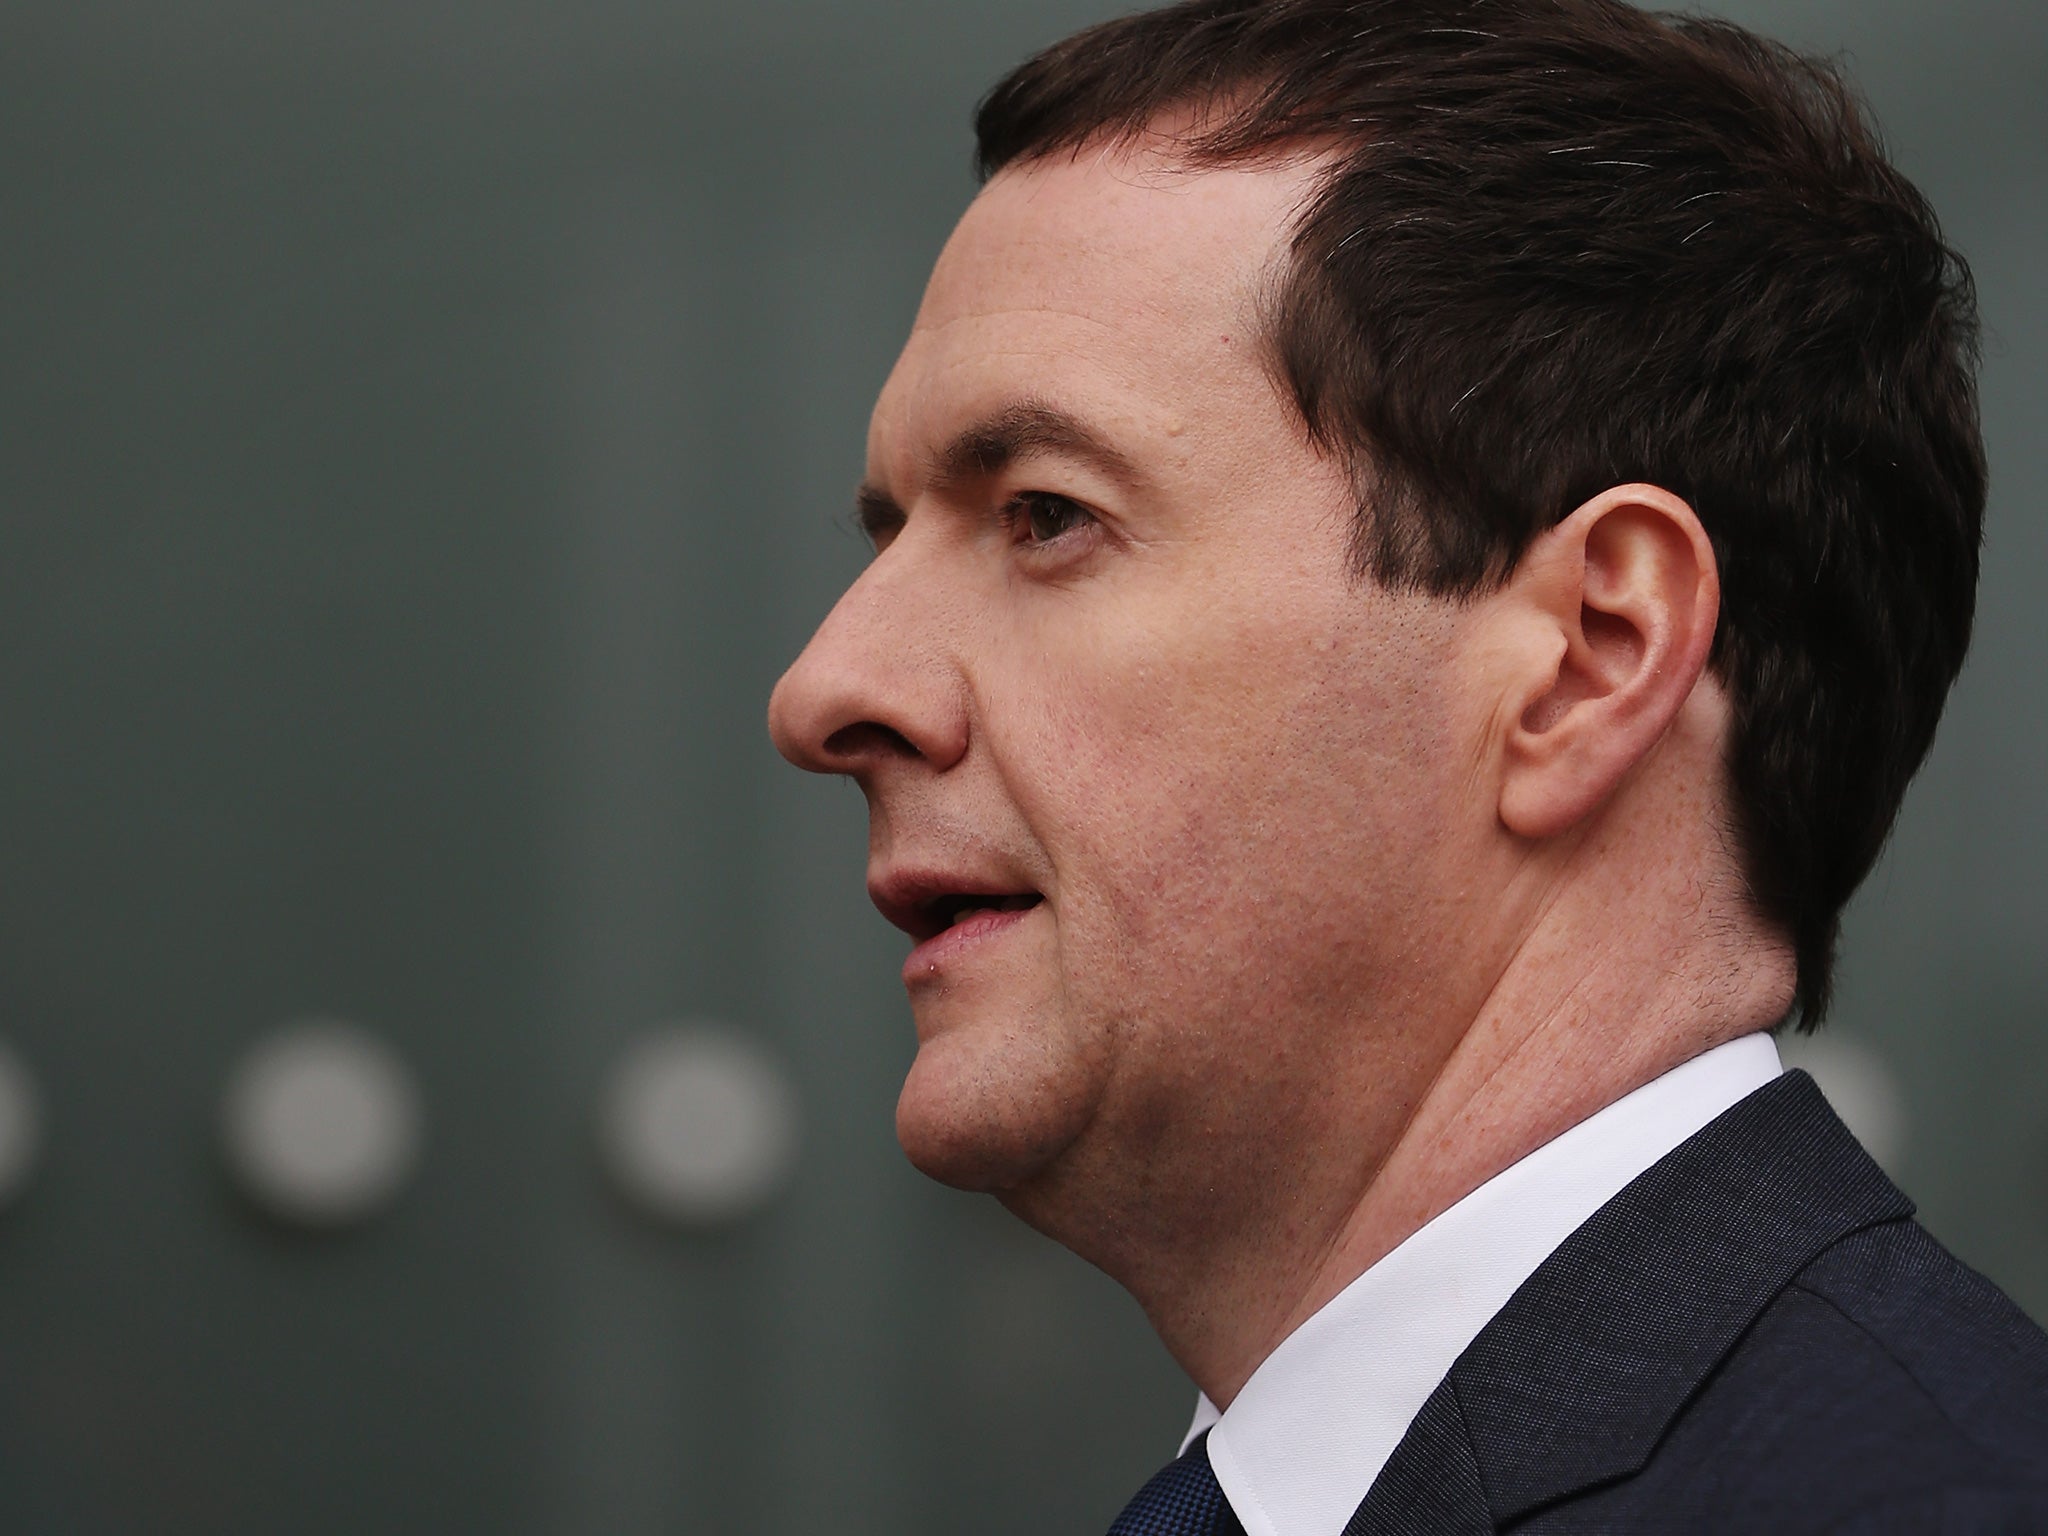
pixel 1432 1482
pixel 1576 1379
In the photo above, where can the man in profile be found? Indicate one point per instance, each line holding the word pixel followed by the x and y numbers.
pixel 1418 545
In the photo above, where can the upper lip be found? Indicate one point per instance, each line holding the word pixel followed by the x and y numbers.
pixel 922 901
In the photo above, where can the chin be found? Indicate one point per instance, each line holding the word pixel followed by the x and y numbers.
pixel 990 1114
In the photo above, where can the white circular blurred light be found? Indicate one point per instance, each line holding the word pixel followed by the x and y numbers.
pixel 21 1125
pixel 321 1123
pixel 1860 1085
pixel 698 1124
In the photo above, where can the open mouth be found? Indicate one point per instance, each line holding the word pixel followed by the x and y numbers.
pixel 946 911
pixel 950 911
pixel 925 904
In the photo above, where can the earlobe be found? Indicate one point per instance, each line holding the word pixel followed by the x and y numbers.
pixel 1620 600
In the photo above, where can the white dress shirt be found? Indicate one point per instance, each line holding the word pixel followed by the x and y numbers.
pixel 1299 1448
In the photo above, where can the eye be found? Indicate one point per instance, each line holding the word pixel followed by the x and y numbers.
pixel 1041 517
pixel 877 516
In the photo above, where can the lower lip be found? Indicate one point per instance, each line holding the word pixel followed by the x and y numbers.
pixel 941 947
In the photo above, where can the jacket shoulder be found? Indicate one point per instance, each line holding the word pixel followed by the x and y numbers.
pixel 1949 1336
pixel 1887 1387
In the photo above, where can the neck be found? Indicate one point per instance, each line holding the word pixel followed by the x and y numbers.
pixel 1574 1021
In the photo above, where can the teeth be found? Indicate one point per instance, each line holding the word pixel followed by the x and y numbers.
pixel 963 914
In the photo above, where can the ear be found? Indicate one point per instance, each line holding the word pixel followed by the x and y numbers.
pixel 1615 611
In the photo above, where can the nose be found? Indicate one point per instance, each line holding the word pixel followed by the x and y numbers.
pixel 878 685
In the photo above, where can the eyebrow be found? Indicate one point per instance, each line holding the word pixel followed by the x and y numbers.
pixel 992 444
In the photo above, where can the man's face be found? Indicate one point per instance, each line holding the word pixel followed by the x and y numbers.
pixel 1112 694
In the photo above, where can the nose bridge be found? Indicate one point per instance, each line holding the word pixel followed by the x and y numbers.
pixel 881 677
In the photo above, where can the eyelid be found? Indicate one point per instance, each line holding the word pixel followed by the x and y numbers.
pixel 1015 510
pixel 878 530
pixel 877 514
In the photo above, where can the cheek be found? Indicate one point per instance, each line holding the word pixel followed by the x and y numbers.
pixel 1238 820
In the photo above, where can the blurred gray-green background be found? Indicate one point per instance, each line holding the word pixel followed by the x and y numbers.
pixel 425 432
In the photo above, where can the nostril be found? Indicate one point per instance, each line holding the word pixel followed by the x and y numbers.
pixel 864 738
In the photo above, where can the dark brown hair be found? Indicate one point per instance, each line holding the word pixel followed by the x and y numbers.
pixel 1565 245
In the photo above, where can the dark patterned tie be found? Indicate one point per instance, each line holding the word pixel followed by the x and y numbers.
pixel 1184 1499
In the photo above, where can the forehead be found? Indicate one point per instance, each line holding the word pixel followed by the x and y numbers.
pixel 1119 285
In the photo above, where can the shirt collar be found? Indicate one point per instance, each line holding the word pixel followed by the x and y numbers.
pixel 1302 1442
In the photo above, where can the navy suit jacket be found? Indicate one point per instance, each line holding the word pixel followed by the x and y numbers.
pixel 1754 1336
